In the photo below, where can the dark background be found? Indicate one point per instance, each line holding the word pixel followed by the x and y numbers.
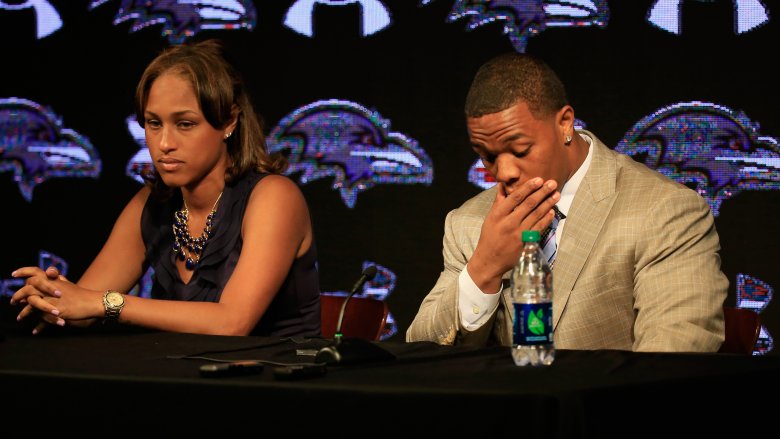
pixel 415 73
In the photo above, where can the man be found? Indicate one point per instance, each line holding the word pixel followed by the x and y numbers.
pixel 637 264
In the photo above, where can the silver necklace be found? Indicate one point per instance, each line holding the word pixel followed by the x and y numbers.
pixel 185 246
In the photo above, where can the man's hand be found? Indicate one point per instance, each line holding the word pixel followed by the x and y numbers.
pixel 528 207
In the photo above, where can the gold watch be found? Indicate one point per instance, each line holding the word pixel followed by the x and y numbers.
pixel 113 302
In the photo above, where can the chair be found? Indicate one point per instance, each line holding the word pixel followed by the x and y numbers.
pixel 364 317
pixel 742 329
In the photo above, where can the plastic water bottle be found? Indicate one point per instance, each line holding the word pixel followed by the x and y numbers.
pixel 531 285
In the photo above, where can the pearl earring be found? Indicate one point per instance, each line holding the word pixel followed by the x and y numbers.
pixel 568 140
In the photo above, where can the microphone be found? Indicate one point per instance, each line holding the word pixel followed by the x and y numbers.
pixel 367 275
pixel 347 350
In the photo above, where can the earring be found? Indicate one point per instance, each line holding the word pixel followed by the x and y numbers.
pixel 228 135
pixel 568 140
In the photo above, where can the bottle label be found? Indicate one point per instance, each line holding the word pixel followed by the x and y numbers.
pixel 533 324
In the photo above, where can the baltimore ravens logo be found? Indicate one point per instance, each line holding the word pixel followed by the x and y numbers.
pixel 480 176
pixel 756 294
pixel 35 146
pixel 715 150
pixel 344 140
pixel 140 164
pixel 523 19
pixel 181 19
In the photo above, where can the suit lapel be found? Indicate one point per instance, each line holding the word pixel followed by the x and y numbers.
pixel 590 208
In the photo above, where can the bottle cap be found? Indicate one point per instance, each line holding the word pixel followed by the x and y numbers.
pixel 531 236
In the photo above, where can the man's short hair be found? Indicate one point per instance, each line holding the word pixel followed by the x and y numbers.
pixel 511 78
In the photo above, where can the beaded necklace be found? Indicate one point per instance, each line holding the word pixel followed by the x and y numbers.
pixel 185 247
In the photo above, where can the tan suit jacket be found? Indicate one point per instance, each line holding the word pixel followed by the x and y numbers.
pixel 637 267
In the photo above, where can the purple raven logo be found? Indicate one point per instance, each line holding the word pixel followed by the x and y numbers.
pixel 139 164
pixel 715 150
pixel 748 15
pixel 35 146
pixel 525 18
pixel 480 176
pixel 377 288
pixel 181 19
pixel 756 294
pixel 354 145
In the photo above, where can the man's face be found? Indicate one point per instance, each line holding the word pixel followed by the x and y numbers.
pixel 516 146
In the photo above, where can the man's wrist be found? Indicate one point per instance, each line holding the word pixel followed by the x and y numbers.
pixel 487 284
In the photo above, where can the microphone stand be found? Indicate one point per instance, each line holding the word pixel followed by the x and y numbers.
pixel 350 350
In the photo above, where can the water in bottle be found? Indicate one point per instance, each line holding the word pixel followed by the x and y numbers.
pixel 531 287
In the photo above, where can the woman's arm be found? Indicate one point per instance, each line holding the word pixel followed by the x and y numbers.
pixel 276 229
pixel 118 266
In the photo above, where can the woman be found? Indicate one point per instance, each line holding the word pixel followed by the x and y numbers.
pixel 230 240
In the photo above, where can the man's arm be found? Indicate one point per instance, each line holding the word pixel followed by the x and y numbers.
pixel 438 319
pixel 485 232
pixel 679 288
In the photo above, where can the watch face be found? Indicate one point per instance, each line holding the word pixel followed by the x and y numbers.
pixel 115 299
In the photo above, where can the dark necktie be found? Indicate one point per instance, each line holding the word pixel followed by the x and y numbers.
pixel 549 248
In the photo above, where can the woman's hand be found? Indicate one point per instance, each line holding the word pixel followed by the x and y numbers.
pixel 55 299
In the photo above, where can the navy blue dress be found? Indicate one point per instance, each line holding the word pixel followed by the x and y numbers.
pixel 295 310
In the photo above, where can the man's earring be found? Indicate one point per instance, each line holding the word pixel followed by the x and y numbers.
pixel 568 140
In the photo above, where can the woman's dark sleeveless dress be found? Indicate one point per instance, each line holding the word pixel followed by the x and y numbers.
pixel 296 308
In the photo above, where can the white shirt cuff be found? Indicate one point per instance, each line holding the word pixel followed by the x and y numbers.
pixel 475 306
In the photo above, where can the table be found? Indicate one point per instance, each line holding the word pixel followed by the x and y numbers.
pixel 78 380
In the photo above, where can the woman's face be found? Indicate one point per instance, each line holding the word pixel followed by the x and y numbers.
pixel 184 147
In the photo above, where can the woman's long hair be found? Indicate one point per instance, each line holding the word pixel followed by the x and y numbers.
pixel 218 87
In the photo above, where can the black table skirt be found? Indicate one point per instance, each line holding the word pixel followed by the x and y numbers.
pixel 132 381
